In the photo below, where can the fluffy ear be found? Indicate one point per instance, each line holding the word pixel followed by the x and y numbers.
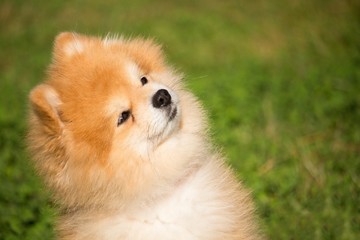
pixel 45 104
pixel 68 44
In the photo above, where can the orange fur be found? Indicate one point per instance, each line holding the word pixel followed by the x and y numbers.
pixel 97 170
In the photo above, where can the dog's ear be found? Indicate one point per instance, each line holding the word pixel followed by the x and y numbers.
pixel 68 44
pixel 45 104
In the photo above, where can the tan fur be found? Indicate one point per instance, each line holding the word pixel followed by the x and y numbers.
pixel 99 172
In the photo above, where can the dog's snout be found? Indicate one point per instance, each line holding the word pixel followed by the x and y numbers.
pixel 161 98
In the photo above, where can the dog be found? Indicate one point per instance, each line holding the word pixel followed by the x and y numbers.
pixel 123 147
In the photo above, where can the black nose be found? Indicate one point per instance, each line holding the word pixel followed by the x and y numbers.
pixel 161 98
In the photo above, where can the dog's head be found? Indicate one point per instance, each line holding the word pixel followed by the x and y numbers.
pixel 110 109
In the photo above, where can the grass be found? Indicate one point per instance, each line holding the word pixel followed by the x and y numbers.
pixel 280 80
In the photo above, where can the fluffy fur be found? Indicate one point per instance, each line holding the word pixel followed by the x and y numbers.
pixel 154 176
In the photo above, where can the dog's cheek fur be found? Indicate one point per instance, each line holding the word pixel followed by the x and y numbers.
pixel 68 156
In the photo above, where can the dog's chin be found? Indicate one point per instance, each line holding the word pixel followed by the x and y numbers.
pixel 171 125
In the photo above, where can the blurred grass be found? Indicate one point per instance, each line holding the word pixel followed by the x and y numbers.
pixel 280 80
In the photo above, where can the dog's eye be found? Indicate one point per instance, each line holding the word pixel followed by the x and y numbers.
pixel 123 117
pixel 144 81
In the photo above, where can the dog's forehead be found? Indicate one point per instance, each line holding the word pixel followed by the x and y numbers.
pixel 133 71
pixel 104 71
pixel 116 68
pixel 124 76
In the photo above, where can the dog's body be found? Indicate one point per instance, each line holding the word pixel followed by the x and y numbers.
pixel 124 149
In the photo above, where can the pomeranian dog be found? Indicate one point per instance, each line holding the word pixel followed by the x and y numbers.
pixel 123 147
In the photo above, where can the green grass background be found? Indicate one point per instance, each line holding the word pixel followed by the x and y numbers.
pixel 280 80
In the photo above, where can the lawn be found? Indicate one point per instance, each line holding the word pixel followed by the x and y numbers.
pixel 280 81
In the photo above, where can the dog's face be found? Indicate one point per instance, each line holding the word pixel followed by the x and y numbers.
pixel 104 90
pixel 108 106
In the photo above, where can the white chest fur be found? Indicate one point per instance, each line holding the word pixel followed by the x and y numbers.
pixel 202 207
